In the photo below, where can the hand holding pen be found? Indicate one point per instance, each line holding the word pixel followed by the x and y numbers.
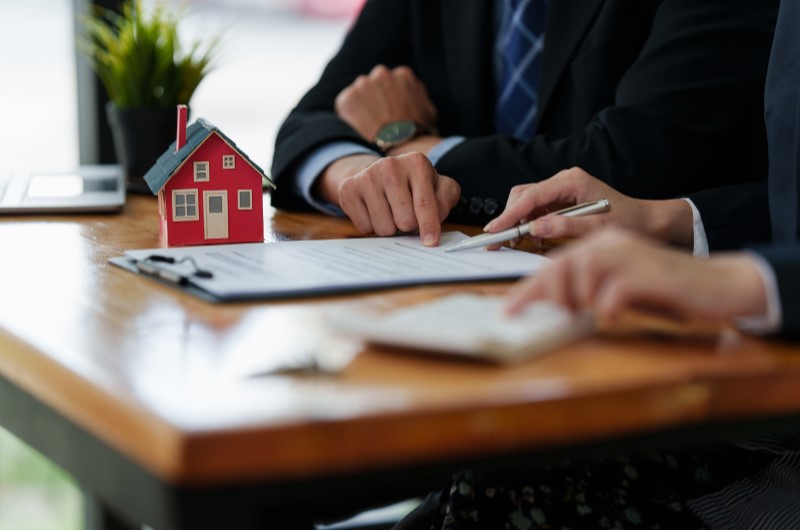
pixel 485 240
pixel 671 221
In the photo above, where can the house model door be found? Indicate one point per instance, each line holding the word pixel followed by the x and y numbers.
pixel 215 208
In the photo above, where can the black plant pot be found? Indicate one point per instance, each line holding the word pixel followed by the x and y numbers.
pixel 140 137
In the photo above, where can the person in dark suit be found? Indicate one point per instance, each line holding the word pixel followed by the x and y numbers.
pixel 658 98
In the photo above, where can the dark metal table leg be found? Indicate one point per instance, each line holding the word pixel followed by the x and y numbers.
pixel 97 516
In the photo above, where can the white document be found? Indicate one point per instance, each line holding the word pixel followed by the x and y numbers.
pixel 469 324
pixel 296 268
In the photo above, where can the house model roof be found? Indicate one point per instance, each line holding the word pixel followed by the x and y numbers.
pixel 168 163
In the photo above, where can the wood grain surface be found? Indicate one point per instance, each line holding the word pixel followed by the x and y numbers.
pixel 156 373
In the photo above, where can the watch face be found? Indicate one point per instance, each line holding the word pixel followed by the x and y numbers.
pixel 396 132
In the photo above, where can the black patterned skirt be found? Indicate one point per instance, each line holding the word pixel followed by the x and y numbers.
pixel 613 491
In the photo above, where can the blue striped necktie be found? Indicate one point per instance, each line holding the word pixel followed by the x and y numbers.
pixel 519 47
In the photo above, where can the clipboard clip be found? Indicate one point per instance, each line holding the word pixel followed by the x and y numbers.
pixel 150 266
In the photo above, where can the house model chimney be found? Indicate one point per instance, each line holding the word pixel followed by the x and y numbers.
pixel 180 139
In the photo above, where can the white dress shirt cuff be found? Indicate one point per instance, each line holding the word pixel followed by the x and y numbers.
pixel 772 320
pixel 315 163
pixel 700 239
pixel 442 148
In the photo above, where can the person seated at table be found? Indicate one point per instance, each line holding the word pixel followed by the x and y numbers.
pixel 742 484
pixel 657 98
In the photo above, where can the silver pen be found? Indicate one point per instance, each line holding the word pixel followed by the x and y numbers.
pixel 484 240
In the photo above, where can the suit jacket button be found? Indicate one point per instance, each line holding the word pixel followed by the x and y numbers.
pixel 490 206
pixel 475 205
pixel 462 204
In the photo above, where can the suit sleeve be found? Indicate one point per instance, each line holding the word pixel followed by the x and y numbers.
pixel 313 122
pixel 734 216
pixel 785 262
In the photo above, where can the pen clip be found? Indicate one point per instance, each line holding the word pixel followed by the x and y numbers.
pixel 585 208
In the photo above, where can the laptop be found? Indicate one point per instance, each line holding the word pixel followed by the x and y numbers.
pixel 98 188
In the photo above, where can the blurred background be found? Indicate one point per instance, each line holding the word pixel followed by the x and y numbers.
pixel 272 51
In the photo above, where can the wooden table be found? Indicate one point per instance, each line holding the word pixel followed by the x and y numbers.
pixel 128 385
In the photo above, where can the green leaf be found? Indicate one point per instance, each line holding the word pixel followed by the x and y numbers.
pixel 139 59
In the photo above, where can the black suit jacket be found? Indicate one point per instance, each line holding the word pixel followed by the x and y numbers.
pixel 659 98
pixel 783 126
pixel 783 129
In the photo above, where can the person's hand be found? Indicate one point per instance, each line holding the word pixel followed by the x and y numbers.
pixel 667 220
pixel 391 194
pixel 383 96
pixel 615 270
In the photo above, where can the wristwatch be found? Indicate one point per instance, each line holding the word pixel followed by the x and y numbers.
pixel 398 132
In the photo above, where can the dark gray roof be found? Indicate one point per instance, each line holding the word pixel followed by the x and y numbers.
pixel 196 133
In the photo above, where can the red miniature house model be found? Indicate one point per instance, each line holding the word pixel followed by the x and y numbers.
pixel 208 190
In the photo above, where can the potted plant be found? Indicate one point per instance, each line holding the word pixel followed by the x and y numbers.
pixel 146 72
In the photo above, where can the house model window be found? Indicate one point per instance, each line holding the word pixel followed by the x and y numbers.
pixel 228 162
pixel 201 171
pixel 245 200
pixel 184 205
